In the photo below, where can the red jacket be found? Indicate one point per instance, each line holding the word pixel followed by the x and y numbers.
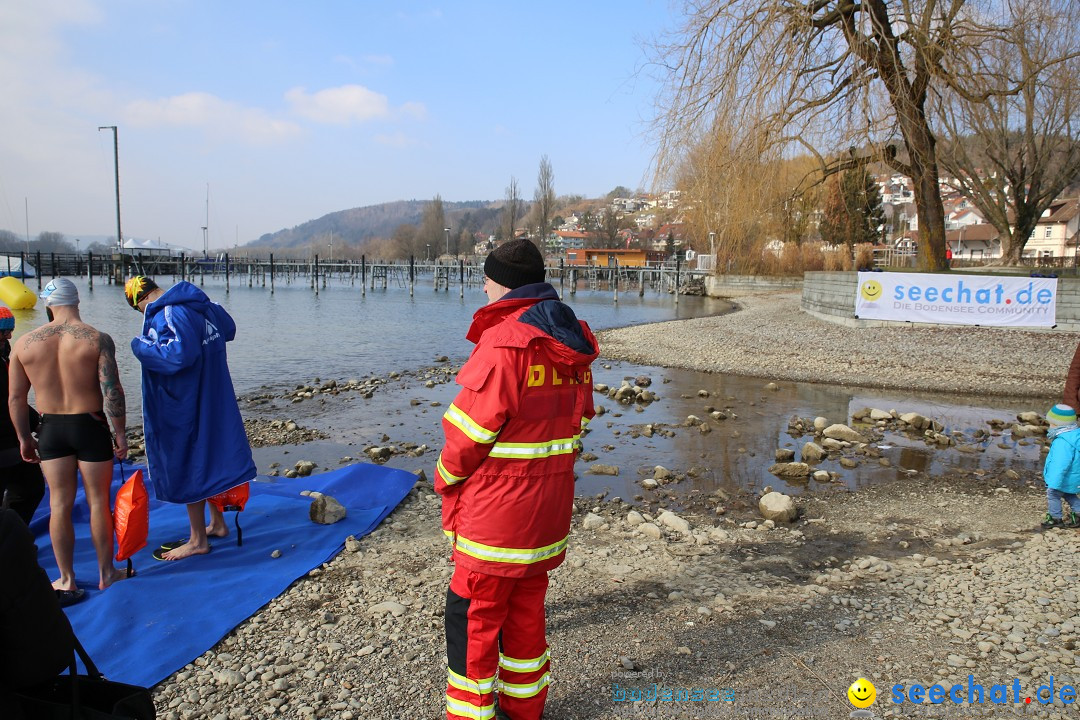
pixel 506 472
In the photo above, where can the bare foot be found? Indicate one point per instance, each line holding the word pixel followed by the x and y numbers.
pixel 62 586
pixel 185 550
pixel 213 530
pixel 113 577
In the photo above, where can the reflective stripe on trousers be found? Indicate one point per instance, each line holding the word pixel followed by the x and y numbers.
pixel 483 614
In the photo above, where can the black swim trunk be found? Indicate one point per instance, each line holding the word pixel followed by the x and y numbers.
pixel 86 436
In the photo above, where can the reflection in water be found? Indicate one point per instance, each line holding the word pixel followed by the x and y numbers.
pixel 738 451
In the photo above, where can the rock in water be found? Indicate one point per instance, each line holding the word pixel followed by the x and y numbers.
pixel 325 510
pixel 791 469
pixel 843 432
pixel 812 452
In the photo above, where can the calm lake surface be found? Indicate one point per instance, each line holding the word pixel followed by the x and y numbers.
pixel 294 335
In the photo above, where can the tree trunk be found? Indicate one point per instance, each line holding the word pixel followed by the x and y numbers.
pixel 1011 254
pixel 928 207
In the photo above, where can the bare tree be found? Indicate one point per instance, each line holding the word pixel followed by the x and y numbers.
pixel 544 199
pixel 432 230
pixel 512 209
pixel 608 225
pixel 401 245
pixel 1013 154
pixel 733 190
pixel 827 75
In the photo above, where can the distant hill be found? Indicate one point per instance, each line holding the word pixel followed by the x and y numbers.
pixel 359 225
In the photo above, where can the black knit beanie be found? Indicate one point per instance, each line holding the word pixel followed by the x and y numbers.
pixel 515 263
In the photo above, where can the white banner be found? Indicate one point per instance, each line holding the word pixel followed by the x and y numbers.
pixel 957 299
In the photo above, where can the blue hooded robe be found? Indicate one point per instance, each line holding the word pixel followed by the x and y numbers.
pixel 196 446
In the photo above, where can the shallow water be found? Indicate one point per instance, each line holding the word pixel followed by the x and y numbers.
pixel 735 456
pixel 291 335
pixel 294 336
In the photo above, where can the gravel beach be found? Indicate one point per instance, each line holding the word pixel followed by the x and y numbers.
pixel 928 579
pixel 770 337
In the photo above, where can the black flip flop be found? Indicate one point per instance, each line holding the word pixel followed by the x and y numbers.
pixel 166 547
pixel 159 554
pixel 68 598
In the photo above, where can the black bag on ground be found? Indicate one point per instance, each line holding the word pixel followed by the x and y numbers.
pixel 37 642
pixel 82 697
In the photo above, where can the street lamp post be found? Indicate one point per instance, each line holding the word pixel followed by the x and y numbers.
pixel 427 253
pixel 116 168
pixel 447 230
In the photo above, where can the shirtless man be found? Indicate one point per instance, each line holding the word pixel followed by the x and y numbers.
pixel 72 368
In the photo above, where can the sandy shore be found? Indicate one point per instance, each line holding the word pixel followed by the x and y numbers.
pixel 770 337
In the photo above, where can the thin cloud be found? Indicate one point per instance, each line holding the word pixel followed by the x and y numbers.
pixel 398 140
pixel 414 110
pixel 349 104
pixel 382 60
pixel 203 110
pixel 339 106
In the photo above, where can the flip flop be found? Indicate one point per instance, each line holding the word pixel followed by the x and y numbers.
pixel 70 597
pixel 159 554
pixel 172 545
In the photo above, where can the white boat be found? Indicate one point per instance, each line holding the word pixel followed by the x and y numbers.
pixel 15 267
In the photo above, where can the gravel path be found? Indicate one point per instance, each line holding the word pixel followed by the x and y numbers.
pixel 770 337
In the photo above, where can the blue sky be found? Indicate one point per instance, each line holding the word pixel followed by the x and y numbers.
pixel 292 110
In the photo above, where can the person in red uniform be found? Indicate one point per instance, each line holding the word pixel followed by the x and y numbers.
pixel 506 476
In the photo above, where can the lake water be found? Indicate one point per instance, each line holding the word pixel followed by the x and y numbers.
pixel 294 335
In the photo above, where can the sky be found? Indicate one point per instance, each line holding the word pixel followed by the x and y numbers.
pixel 282 112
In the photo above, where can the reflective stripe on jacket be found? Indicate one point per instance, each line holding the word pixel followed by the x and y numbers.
pixel 506 471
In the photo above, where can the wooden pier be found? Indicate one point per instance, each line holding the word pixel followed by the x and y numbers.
pixel 439 275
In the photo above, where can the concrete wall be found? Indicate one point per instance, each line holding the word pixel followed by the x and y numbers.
pixel 735 285
pixel 831 296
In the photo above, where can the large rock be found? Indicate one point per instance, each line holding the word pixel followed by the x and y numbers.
pixel 915 420
pixel 812 452
pixel 785 455
pixel 876 414
pixel 325 510
pixel 843 432
pixel 1023 431
pixel 673 521
pixel 790 470
pixel 592 521
pixel 600 469
pixel 777 507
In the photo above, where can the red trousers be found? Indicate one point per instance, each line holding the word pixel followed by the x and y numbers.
pixel 495 641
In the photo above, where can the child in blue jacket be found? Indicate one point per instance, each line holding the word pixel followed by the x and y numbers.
pixel 1062 469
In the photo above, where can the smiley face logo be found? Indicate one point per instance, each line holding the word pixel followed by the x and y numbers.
pixel 862 693
pixel 871 290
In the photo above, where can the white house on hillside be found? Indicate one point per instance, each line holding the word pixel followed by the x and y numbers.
pixel 1057 232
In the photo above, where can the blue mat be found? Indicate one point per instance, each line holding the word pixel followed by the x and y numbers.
pixel 144 629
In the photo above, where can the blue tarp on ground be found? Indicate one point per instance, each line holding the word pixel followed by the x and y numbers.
pixel 142 630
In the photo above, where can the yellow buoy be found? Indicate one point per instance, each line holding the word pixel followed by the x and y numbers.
pixel 16 295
